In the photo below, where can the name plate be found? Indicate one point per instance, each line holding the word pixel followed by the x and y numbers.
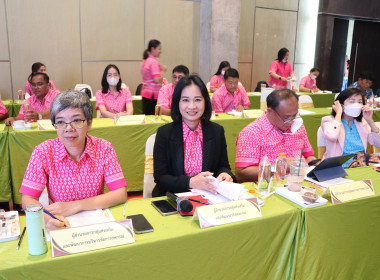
pixel 89 238
pixel 229 212
pixel 350 191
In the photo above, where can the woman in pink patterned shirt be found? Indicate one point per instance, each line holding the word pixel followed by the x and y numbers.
pixel 74 166
pixel 217 80
pixel 37 67
pixel 191 148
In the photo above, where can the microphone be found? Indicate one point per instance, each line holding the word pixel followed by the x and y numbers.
pixel 182 204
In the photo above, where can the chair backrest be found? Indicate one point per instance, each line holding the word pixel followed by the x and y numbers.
pixel 208 86
pixel 321 143
pixel 305 101
pixel 81 87
pixel 138 89
pixel 336 95
pixel 124 86
pixel 148 172
pixel 263 98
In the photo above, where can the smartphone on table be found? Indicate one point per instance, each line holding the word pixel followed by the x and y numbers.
pixel 140 223
pixel 164 207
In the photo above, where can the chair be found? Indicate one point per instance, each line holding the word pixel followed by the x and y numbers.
pixel 208 86
pixel 138 89
pixel 124 86
pixel 263 98
pixel 149 183
pixel 321 143
pixel 336 95
pixel 79 87
pixel 305 101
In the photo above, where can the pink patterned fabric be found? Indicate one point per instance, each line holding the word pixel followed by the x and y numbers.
pixel 36 105
pixel 150 68
pixel 193 144
pixel 51 166
pixel 165 96
pixel 261 138
pixel 307 82
pixel 223 101
pixel 28 87
pixel 114 103
pixel 282 69
pixel 3 109
pixel 216 81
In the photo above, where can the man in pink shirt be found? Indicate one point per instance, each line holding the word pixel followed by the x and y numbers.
pixel 3 111
pixel 271 134
pixel 231 96
pixel 38 105
pixel 166 92
pixel 309 82
pixel 280 70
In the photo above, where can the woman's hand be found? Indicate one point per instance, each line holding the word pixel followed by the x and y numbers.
pixel 53 224
pixel 224 177
pixel 9 121
pixel 64 208
pixel 367 113
pixel 337 107
pixel 201 182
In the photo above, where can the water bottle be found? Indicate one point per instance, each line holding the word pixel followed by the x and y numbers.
pixel 20 95
pixel 264 175
pixel 35 227
pixel 157 111
pixel 373 101
pixel 280 167
pixel 274 86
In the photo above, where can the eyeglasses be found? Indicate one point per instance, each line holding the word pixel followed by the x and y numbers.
pixel 74 124
pixel 289 120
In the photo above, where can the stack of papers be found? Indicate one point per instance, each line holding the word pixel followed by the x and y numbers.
pixel 235 113
pixel 305 112
pixel 131 119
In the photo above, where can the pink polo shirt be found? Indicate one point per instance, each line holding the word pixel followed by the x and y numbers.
pixel 114 103
pixel 150 68
pixel 36 105
pixel 216 81
pixel 3 109
pixel 223 101
pixel 165 96
pixel 28 87
pixel 282 69
pixel 307 82
pixel 51 166
pixel 261 138
pixel 193 144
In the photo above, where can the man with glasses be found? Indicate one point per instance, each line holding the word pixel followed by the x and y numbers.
pixel 278 130
pixel 36 107
pixel 166 92
pixel 364 83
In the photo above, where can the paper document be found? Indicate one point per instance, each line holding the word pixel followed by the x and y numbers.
pixel 45 125
pixel 254 113
pixel 326 184
pixel 131 119
pixel 235 113
pixel 305 112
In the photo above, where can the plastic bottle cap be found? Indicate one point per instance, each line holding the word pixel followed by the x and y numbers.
pixel 281 154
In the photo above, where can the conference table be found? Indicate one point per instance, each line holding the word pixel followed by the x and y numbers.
pixel 288 242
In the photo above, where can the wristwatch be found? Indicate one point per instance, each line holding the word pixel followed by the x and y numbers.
pixel 39 116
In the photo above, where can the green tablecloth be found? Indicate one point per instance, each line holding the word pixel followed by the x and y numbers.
pixel 5 179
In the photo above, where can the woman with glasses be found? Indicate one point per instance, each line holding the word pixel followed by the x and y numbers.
pixel 74 166
pixel 113 101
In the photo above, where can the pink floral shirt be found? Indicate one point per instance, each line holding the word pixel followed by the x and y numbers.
pixel 36 105
pixel 193 144
pixel 3 109
pixel 261 138
pixel 114 103
pixel 150 68
pixel 216 81
pixel 28 87
pixel 165 96
pixel 51 166
pixel 223 101
pixel 282 69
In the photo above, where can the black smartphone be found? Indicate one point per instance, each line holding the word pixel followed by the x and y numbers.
pixel 164 207
pixel 140 223
pixel 314 161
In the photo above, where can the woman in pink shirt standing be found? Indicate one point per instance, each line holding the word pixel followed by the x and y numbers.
pixel 152 75
pixel 217 80
pixel 113 101
pixel 40 68
pixel 280 70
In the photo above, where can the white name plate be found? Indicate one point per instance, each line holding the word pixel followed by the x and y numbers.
pixel 350 191
pixel 228 212
pixel 93 237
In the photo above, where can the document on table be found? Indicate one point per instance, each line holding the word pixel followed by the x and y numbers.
pixel 305 112
pixel 326 184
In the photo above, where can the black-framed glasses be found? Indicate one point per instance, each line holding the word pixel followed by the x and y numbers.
pixel 61 125
pixel 289 120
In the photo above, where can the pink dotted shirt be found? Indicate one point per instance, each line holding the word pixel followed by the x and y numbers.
pixel 51 166
pixel 165 96
pixel 150 68
pixel 3 109
pixel 114 103
pixel 282 69
pixel 28 87
pixel 35 104
pixel 223 101
pixel 193 144
pixel 216 81
pixel 261 138
pixel 307 82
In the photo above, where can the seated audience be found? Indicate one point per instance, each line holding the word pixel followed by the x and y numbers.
pixel 37 67
pixel 218 79
pixel 231 96
pixel 74 166
pixel 192 147
pixel 309 82
pixel 278 130
pixel 364 83
pixel 113 101
pixel 166 92
pixel 37 107
pixel 350 126
pixel 3 112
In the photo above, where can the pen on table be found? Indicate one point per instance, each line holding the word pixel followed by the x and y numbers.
pixel 152 120
pixel 51 215
pixel 202 202
pixel 21 237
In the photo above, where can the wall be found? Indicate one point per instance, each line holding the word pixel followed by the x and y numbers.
pixel 77 39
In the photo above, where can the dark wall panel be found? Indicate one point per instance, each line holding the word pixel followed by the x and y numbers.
pixel 369 9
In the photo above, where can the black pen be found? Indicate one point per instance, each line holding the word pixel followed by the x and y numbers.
pixel 198 201
pixel 51 215
pixel 21 237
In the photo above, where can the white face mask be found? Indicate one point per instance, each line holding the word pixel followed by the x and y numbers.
pixel 112 81
pixel 353 110
pixel 284 60
pixel 296 125
pixel 313 77
pixel 222 72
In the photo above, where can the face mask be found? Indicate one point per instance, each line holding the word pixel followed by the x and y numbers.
pixel 284 60
pixel 313 77
pixel 222 72
pixel 296 125
pixel 353 110
pixel 112 81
